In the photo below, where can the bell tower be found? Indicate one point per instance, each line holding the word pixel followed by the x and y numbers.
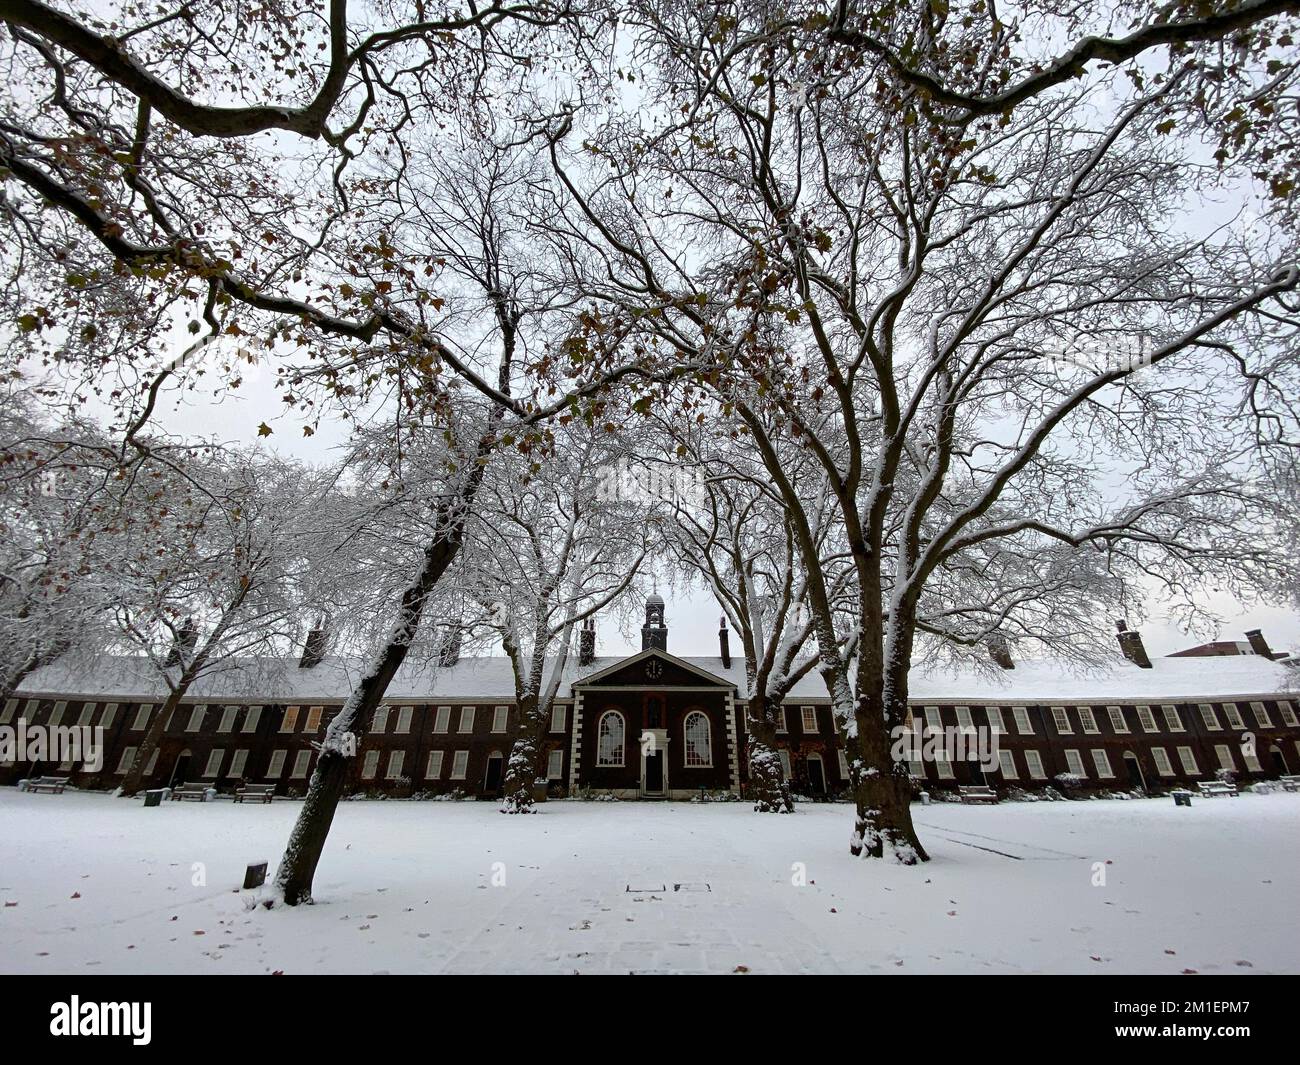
pixel 654 633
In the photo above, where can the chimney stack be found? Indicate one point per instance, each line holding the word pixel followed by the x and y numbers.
pixel 587 642
pixel 313 648
pixel 723 643
pixel 1130 643
pixel 449 652
pixel 1000 652
pixel 1258 644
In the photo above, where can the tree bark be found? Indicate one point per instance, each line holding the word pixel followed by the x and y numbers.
pixel 882 792
pixel 767 788
pixel 153 735
pixel 525 756
pixel 302 853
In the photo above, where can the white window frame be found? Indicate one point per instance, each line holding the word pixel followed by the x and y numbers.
pixel 252 718
pixel 312 725
pixel 1173 719
pixel 143 713
pixel 933 718
pixel 997 723
pixel 87 715
pixel 227 722
pixel 602 762
pixel 964 721
pixel 1187 758
pixel 1224 754
pixel 1118 721
pixel 555 764
pixel 109 715
pixel 197 714
pixel 370 765
pixel 1233 713
pixel 56 715
pixel 11 708
pixel 301 765
pixel 1074 763
pixel 213 768
pixel 289 722
pixel 808 719
pixel 1163 765
pixel 1007 764
pixel 500 718
pixel 1061 721
pixel 433 766
pixel 1287 711
pixel 1209 718
pixel 943 768
pixel 128 757
pixel 558 718
pixel 442 719
pixel 404 714
pixel 708 741
pixel 1034 764
pixel 1147 719
pixel 1261 715
pixel 1101 763
pixel 459 764
pixel 844 763
pixel 781 729
pixel 379 723
pixel 467 716
pixel 396 763
pixel 1088 720
pixel 275 768
pixel 237 764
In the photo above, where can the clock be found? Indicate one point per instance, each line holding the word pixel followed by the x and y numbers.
pixel 654 669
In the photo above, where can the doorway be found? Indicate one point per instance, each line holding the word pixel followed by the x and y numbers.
pixel 1133 770
pixel 816 776
pixel 654 765
pixel 1278 759
pixel 493 777
pixel 181 770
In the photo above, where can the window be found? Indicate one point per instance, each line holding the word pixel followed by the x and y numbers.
pixel 87 713
pixel 1172 721
pixel 1188 757
pixel 227 721
pixel 500 715
pixel 433 770
pixel 11 708
pixel 251 719
pixel 276 767
pixel 213 769
pixel 699 746
pixel 964 719
pixel 1288 713
pixel 237 764
pixel 1224 754
pixel 1007 765
pixel 1161 758
pixel 404 719
pixel 1074 761
pixel 153 763
pixel 196 719
pixel 142 716
pixel 933 718
pixel 128 759
pixel 1261 715
pixel 557 719
pixel 1023 725
pixel 1251 759
pixel 466 719
pixel 56 715
pixel 808 718
pixel 1233 715
pixel 301 761
pixel 1148 719
pixel 1061 719
pixel 1117 720
pixel 459 764
pixel 609 739
pixel 1034 763
pixel 555 765
pixel 290 720
pixel 313 719
pixel 784 755
pixel 1101 760
pixel 396 759
pixel 370 765
pixel 996 724
pixel 1088 719
pixel 379 723
pixel 780 720
pixel 109 715
pixel 943 767
pixel 1210 718
pixel 844 763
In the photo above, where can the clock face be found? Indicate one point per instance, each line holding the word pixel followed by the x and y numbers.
pixel 654 669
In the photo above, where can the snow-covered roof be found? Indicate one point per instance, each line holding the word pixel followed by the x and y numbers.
pixel 132 679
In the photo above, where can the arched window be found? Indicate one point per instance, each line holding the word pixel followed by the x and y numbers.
pixel 609 747
pixel 699 741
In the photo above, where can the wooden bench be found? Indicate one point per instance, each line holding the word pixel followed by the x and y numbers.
pixel 192 792
pixel 255 793
pixel 1290 781
pixel 977 793
pixel 54 785
pixel 1212 789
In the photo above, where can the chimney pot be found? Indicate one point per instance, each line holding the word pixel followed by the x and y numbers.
pixel 1000 652
pixel 587 643
pixel 1130 643
pixel 1258 644
pixel 724 645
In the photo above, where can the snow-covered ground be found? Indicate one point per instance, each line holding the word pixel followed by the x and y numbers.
pixel 95 884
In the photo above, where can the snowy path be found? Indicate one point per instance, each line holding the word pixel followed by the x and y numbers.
pixel 93 884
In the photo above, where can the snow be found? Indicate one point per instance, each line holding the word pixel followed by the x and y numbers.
pixel 103 885
pixel 491 677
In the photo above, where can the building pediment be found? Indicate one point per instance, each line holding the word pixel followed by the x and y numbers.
pixel 653 668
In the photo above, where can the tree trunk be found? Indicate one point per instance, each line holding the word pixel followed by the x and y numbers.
pixel 293 880
pixel 153 735
pixel 769 791
pixel 882 792
pixel 525 756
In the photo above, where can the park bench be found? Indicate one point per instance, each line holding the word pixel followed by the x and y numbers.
pixel 193 792
pixel 54 785
pixel 1212 789
pixel 1290 781
pixel 977 793
pixel 255 793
